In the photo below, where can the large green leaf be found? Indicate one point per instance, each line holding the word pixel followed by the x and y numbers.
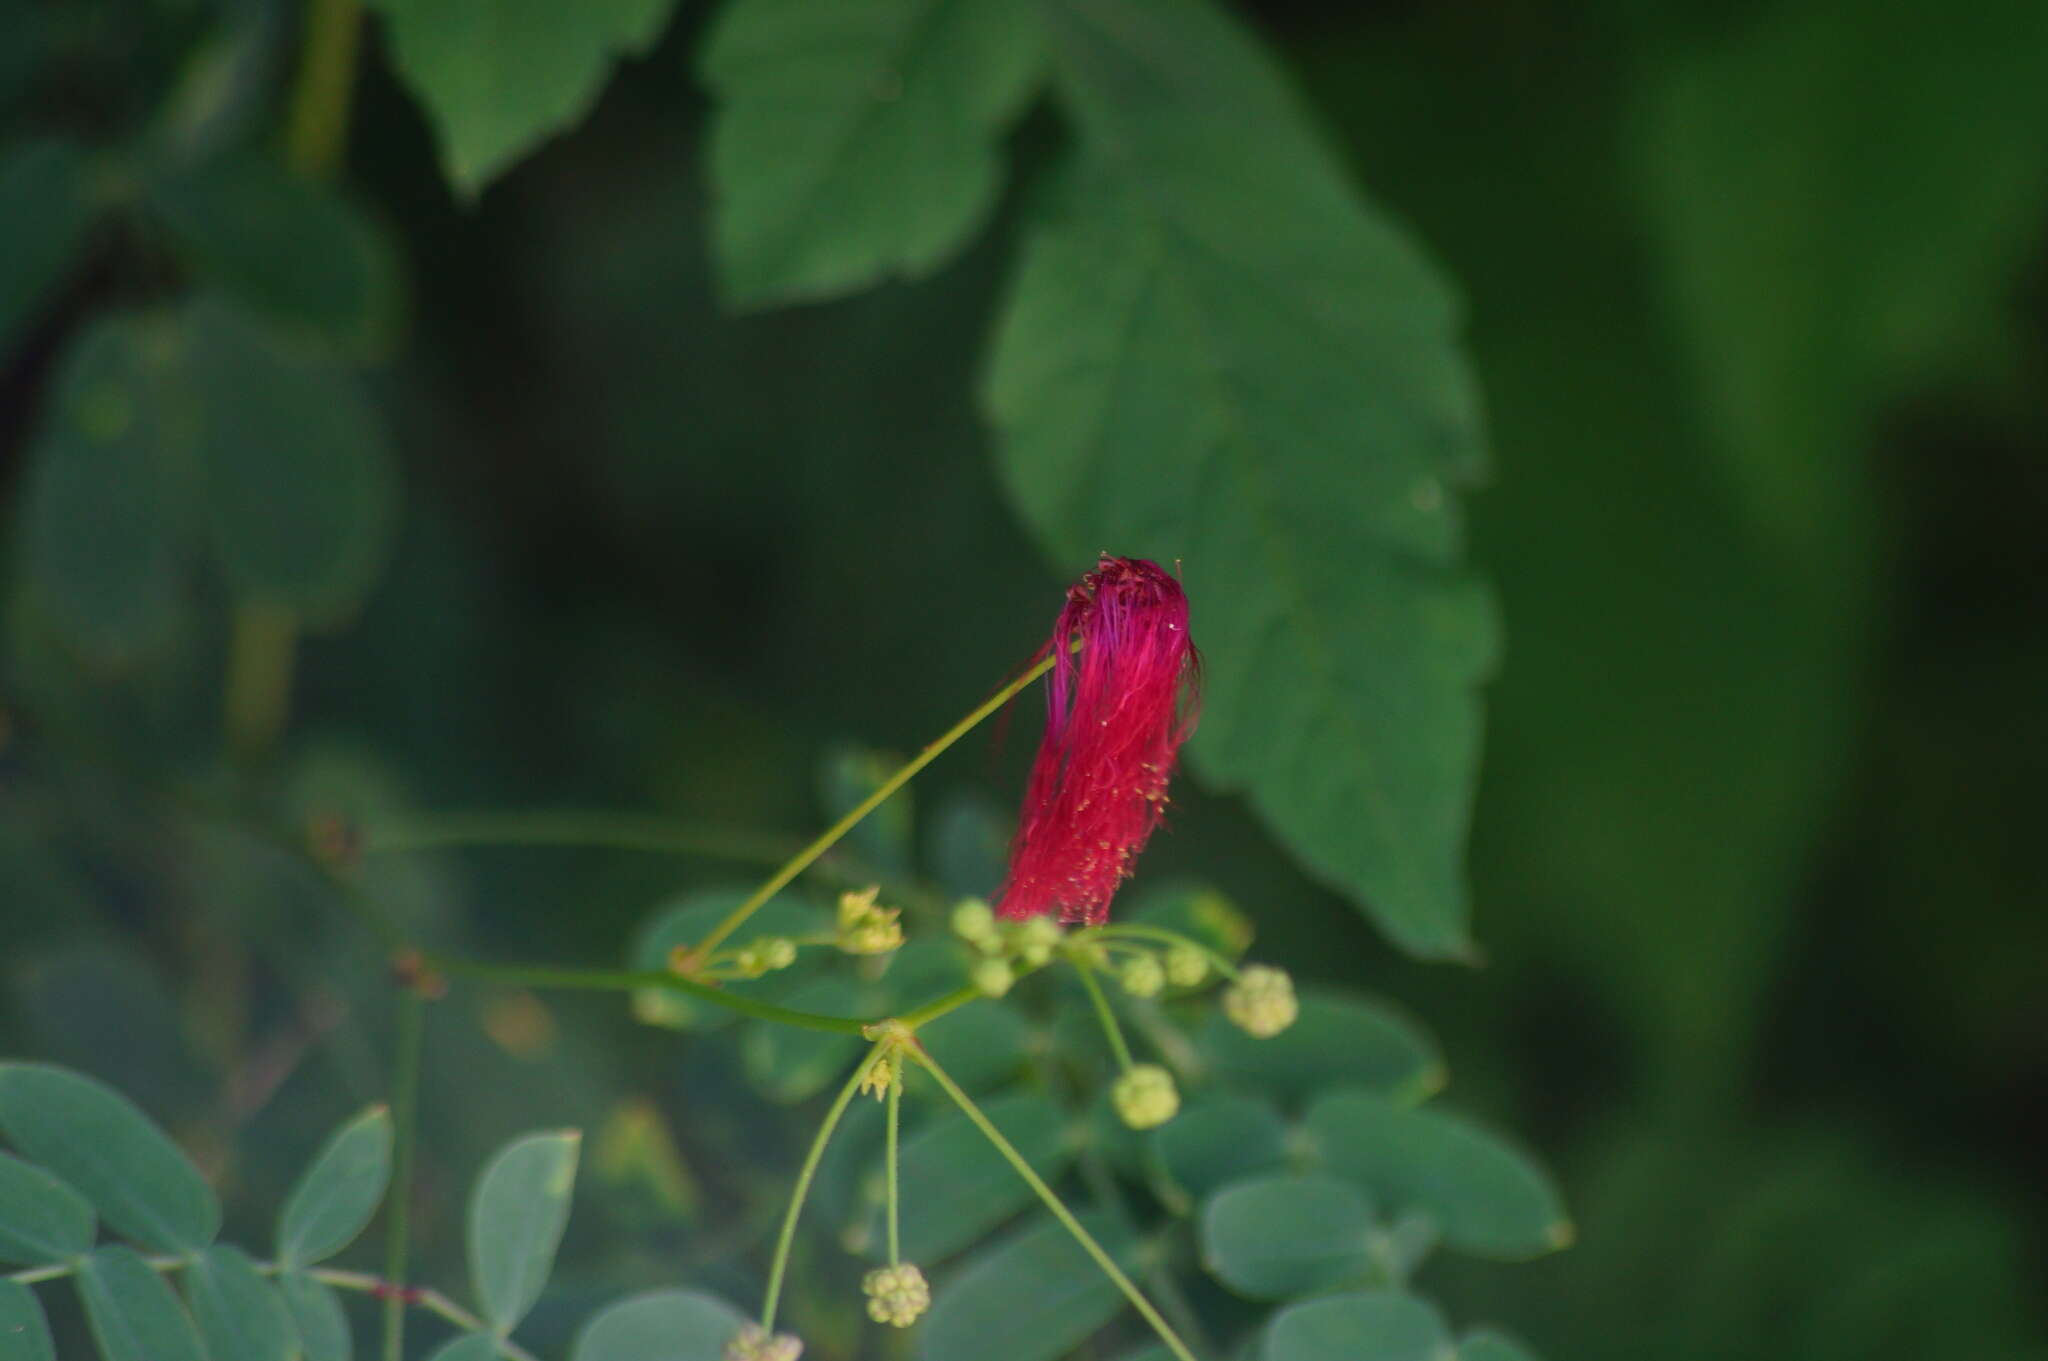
pixel 317 1314
pixel 1273 1238
pixel 339 1192
pixel 1219 1139
pixel 133 1312
pixel 41 1219
pixel 662 1325
pixel 1485 1195
pixel 45 208
pixel 955 1187
pixel 1031 1297
pixel 286 246
pixel 96 1140
pixel 1340 1039
pixel 516 1217
pixel 101 505
pixel 24 1332
pixel 500 76
pixel 1375 1325
pixel 1217 353
pixel 857 139
pixel 301 490
pixel 240 1315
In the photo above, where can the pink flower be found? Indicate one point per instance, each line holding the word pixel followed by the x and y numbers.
pixel 1115 719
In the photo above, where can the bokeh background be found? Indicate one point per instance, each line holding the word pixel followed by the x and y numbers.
pixel 1758 297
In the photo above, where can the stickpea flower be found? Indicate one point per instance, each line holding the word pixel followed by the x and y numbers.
pixel 1115 721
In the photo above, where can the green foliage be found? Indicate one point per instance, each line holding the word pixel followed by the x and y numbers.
pixel 1219 1139
pixel 241 1316
pixel 41 1219
pixel 1341 1039
pixel 516 1216
pixel 135 1316
pixel 335 1198
pixel 1380 1324
pixel 1215 353
pixel 24 1332
pixel 678 1325
pixel 46 205
pixel 956 1189
pixel 1274 1238
pixel 498 77
pixel 317 1317
pixel 856 139
pixel 1031 1296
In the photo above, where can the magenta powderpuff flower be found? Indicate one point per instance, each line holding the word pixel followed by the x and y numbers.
pixel 1115 718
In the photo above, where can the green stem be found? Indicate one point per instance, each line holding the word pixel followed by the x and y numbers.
pixel 1053 1203
pixel 405 1117
pixel 573 827
pixel 626 980
pixel 1110 1027
pixel 319 116
pixel 779 880
pixel 939 1006
pixel 259 680
pixel 1217 961
pixel 779 1265
pixel 895 1121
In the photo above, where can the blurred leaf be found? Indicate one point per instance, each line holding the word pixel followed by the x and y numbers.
pixel 970 846
pixel 240 1316
pixel 516 1217
pixel 686 920
pixel 1031 1297
pixel 102 509
pixel 498 77
pixel 979 1046
pixel 286 246
pixel 1273 1238
pixel 45 207
pixel 317 1314
pixel 1840 193
pixel 468 1347
pixel 1484 1344
pixel 133 1312
pixel 956 1187
pixel 849 774
pixel 1218 1139
pixel 1340 1039
pixel 662 1325
pixel 1375 1325
pixel 24 1332
pixel 636 1157
pixel 41 1219
pixel 789 1065
pixel 95 1139
pixel 1194 909
pixel 1486 1196
pixel 301 488
pixel 1217 352
pixel 857 139
pixel 339 1192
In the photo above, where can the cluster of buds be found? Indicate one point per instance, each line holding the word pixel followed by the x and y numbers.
pixel 764 956
pixel 1261 1002
pixel 897 1295
pixel 756 1343
pixel 864 928
pixel 882 1074
pixel 1145 1096
pixel 1003 947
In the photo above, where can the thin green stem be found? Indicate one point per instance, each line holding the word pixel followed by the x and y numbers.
pixel 405 1100
pixel 576 828
pixel 778 1266
pixel 895 1122
pixel 1110 1027
pixel 1217 961
pixel 433 1301
pixel 261 643
pixel 626 980
pixel 319 115
pixel 1053 1203
pixel 940 1006
pixel 797 864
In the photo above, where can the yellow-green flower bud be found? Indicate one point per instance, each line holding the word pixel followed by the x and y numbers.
pixel 992 977
pixel 1037 939
pixel 1145 1097
pixel 864 928
pixel 1261 1002
pixel 766 955
pixel 1142 976
pixel 882 1074
pixel 755 1343
pixel 975 922
pixel 897 1295
pixel 1186 966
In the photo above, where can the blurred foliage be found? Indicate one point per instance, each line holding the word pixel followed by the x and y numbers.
pixel 1756 306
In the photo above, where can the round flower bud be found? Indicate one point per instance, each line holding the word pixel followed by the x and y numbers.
pixel 975 923
pixel 1186 966
pixel 897 1295
pixel 1261 1002
pixel 865 928
pixel 992 977
pixel 1145 1097
pixel 1037 939
pixel 755 1343
pixel 766 955
pixel 1142 976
